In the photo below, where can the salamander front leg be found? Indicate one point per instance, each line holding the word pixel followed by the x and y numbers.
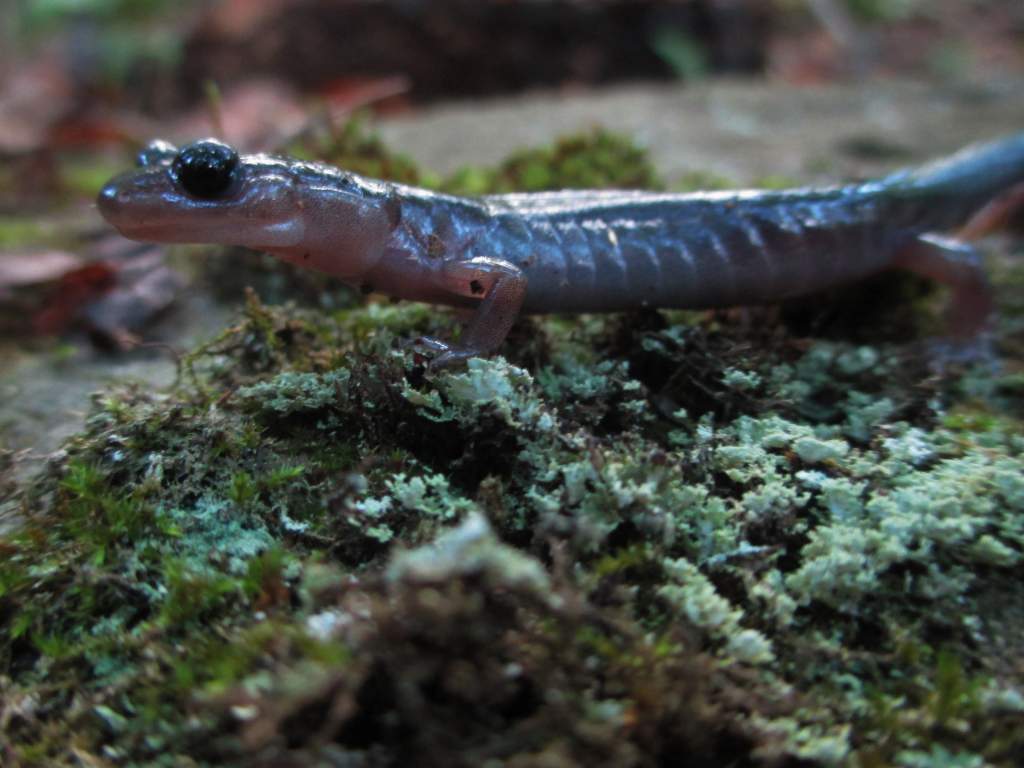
pixel 957 265
pixel 501 288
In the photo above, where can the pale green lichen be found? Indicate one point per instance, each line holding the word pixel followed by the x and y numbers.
pixel 492 385
pixel 695 597
pixel 770 595
pixel 997 700
pixel 428 495
pixel 215 525
pixel 750 647
pixel 814 451
pixel 419 498
pixel 864 415
pixel 822 744
pixel 741 381
pixel 471 549
pixel 371 513
pixel 943 511
pixel 291 393
pixel 939 757
pixel 851 362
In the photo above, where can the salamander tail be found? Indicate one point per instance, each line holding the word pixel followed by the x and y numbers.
pixel 978 172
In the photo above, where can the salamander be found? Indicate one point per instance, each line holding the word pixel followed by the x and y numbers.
pixel 577 251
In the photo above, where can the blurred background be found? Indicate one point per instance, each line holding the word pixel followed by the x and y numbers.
pixel 466 95
pixel 81 76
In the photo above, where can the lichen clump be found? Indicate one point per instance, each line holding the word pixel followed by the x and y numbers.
pixel 633 539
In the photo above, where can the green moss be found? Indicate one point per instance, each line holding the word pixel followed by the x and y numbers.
pixel 354 146
pixel 191 595
pixel 598 159
pixel 589 160
pixel 20 232
pixel 695 181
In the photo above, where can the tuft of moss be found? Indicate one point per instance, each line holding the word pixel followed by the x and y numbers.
pixel 598 159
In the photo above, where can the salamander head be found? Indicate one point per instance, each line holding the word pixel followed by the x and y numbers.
pixel 207 193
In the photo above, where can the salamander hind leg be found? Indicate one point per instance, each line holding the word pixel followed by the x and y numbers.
pixel 501 287
pixel 957 265
pixel 994 216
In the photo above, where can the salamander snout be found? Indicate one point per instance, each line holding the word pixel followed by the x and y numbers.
pixel 205 193
pixel 113 199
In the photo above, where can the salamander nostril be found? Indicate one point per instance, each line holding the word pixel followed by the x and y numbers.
pixel 107 198
pixel 205 169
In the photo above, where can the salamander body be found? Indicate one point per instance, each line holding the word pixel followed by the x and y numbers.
pixel 576 251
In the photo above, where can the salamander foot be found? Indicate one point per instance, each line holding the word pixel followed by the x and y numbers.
pixel 445 355
pixel 500 288
pixel 453 357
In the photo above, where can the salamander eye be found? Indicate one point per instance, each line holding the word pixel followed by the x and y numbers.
pixel 205 169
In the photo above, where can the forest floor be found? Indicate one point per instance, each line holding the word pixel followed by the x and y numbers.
pixel 772 537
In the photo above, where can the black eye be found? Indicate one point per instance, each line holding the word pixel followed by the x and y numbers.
pixel 206 168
